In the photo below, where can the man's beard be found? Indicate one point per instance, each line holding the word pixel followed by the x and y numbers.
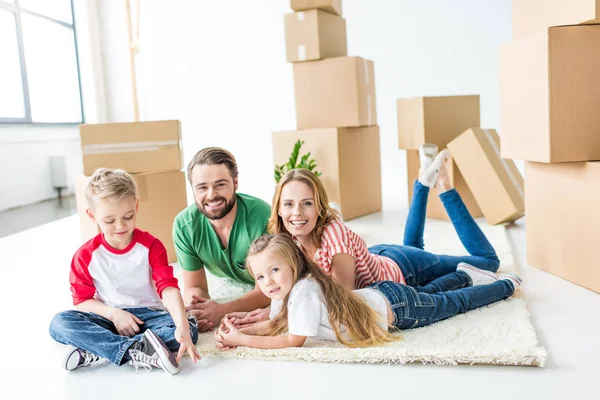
pixel 229 204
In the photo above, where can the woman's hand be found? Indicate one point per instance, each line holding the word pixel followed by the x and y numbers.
pixel 246 319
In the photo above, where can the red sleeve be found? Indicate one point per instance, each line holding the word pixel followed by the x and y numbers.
pixel 335 236
pixel 162 272
pixel 82 285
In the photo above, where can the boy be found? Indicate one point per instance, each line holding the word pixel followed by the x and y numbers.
pixel 117 281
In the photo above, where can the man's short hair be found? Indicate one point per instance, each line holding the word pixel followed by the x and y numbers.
pixel 108 183
pixel 213 156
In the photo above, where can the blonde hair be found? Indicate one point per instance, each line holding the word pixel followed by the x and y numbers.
pixel 109 184
pixel 213 156
pixel 344 307
pixel 325 212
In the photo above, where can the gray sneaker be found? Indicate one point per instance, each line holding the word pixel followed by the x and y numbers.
pixel 77 358
pixel 152 352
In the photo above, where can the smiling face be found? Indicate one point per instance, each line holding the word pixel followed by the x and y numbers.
pixel 274 276
pixel 116 218
pixel 214 190
pixel 298 209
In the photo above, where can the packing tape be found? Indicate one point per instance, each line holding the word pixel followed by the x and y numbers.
pixel 369 109
pixel 366 71
pixel 301 52
pixel 300 16
pixel 509 171
pixel 106 148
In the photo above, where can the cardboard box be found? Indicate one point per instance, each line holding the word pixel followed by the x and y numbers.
pixel 151 146
pixel 563 222
pixel 530 16
pixel 314 34
pixel 496 184
pixel 162 196
pixel 435 208
pixel 435 120
pixel 349 159
pixel 550 95
pixel 331 6
pixel 335 93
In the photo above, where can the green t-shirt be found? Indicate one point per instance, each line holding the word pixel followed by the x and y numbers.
pixel 198 245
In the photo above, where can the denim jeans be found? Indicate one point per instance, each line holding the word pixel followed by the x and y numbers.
pixel 98 335
pixel 431 273
pixel 413 309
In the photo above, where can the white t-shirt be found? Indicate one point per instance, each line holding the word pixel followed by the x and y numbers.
pixel 307 310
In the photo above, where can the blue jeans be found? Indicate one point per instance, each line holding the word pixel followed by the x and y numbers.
pixel 432 273
pixel 96 334
pixel 413 309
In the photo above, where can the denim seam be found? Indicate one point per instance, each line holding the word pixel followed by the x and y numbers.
pixel 123 350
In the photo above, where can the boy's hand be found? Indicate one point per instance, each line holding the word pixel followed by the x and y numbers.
pixel 185 340
pixel 126 323
pixel 244 319
pixel 207 312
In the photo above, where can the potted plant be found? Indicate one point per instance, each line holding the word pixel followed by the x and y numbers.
pixel 305 162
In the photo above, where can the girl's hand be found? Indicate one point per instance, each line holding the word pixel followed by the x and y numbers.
pixel 185 340
pixel 126 323
pixel 231 336
pixel 219 342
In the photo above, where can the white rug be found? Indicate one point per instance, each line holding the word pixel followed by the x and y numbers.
pixel 501 333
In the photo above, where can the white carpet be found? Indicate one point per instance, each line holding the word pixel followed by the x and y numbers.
pixel 501 333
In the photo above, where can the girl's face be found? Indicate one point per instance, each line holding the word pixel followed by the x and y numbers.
pixel 274 276
pixel 298 209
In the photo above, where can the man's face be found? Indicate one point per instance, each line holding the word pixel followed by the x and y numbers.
pixel 214 190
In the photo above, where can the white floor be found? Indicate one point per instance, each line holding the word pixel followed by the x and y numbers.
pixel 35 266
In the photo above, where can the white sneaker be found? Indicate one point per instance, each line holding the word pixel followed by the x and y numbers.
pixel 337 208
pixel 428 176
pixel 77 358
pixel 478 276
pixel 152 352
pixel 512 278
pixel 427 153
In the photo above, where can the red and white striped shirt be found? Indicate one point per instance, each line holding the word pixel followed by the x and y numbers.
pixel 128 278
pixel 339 238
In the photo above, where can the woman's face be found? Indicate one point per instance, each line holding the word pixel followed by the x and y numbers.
pixel 298 209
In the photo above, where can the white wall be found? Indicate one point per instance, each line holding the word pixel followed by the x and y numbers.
pixel 220 68
pixel 25 149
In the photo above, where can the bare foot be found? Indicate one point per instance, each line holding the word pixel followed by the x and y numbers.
pixel 442 183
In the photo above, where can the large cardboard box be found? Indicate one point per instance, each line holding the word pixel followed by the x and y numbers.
pixel 563 222
pixel 331 6
pixel 314 34
pixel 530 16
pixel 335 92
pixel 150 146
pixel 550 95
pixel 435 208
pixel 162 196
pixel 348 158
pixel 496 184
pixel 435 120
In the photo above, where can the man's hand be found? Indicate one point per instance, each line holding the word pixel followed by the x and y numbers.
pixel 244 319
pixel 207 312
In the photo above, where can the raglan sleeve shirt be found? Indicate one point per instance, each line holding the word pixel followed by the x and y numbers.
pixel 162 272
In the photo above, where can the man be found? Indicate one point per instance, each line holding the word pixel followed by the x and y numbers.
pixel 216 233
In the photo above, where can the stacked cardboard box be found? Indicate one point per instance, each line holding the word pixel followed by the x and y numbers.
pixel 550 117
pixel 489 186
pixel 151 153
pixel 335 107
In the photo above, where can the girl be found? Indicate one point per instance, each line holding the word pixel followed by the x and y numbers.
pixel 305 302
pixel 300 209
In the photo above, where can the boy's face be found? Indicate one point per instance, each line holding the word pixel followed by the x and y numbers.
pixel 274 276
pixel 116 219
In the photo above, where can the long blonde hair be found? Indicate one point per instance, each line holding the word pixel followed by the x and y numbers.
pixel 325 212
pixel 344 307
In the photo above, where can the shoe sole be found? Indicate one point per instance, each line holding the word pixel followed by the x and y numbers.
pixel 71 365
pixel 168 361
pixel 477 270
